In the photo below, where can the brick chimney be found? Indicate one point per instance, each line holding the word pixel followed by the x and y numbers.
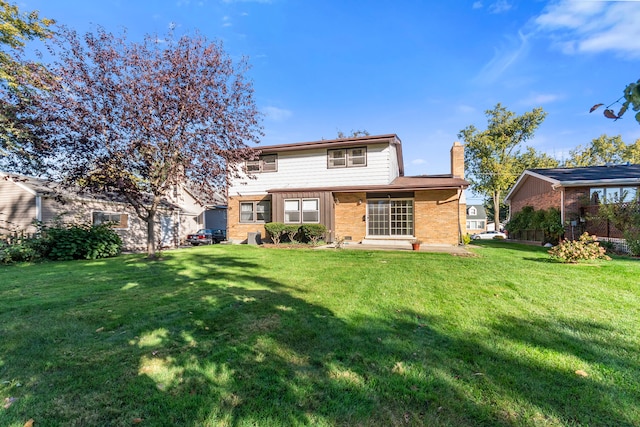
pixel 457 160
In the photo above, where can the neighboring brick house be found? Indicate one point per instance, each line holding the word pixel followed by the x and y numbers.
pixel 476 219
pixel 355 187
pixel 24 200
pixel 576 192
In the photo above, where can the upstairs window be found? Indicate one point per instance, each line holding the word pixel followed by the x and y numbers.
pixel 347 157
pixel 473 211
pixel 266 163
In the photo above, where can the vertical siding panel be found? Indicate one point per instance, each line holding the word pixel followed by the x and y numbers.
pixel 17 207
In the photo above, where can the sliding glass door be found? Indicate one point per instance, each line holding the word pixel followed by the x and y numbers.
pixel 390 218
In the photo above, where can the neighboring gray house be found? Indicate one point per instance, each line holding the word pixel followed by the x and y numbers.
pixel 24 200
pixel 476 219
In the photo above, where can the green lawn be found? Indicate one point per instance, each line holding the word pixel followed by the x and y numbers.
pixel 249 336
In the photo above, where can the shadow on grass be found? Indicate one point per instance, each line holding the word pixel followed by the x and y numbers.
pixel 210 339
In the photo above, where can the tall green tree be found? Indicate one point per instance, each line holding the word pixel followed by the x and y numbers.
pixel 492 156
pixel 602 150
pixel 17 75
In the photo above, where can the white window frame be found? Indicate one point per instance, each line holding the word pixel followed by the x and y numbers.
pixel 300 210
pixel 110 218
pixel 608 194
pixel 390 218
pixel 255 211
pixel 265 163
pixel 355 157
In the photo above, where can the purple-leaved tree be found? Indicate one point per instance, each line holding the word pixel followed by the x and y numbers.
pixel 138 118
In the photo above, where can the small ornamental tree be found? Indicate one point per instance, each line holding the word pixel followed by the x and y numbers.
pixel 276 231
pixel 313 232
pixel 139 119
pixel 625 216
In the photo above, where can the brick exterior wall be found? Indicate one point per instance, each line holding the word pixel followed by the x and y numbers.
pixel 349 216
pixel 574 199
pixel 457 160
pixel 238 231
pixel 439 217
pixel 546 200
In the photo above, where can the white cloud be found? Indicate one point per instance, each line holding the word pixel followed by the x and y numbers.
pixel 418 161
pixel 538 99
pixel 276 114
pixel 593 27
pixel 465 109
pixel 477 5
pixel 504 58
pixel 499 6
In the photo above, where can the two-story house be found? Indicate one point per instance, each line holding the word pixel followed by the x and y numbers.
pixel 476 219
pixel 354 186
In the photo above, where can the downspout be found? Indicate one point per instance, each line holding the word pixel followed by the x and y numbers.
pixel 38 208
pixel 460 241
pixel 562 205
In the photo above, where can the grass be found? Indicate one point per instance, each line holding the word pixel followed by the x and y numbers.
pixel 248 336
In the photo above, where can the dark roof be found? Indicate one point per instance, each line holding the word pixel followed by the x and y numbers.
pixel 53 189
pixel 480 212
pixel 620 174
pixel 591 173
pixel 401 183
pixel 391 139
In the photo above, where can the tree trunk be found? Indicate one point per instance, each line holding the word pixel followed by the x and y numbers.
pixel 496 210
pixel 151 235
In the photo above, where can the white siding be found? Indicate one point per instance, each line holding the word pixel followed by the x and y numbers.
pixel 308 168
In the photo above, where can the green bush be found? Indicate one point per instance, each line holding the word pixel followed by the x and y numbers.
pixel 547 220
pixel 466 239
pixel 632 238
pixel 65 242
pixel 313 232
pixel 19 252
pixel 81 242
pixel 585 248
pixel 292 230
pixel 275 230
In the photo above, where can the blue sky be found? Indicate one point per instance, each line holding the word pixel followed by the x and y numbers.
pixel 421 69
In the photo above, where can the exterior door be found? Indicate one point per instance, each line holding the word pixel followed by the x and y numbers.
pixel 390 218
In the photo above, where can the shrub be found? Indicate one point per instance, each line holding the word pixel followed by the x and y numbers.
pixel 64 242
pixel 466 239
pixel 275 230
pixel 632 238
pixel 585 248
pixel 313 232
pixel 18 252
pixel 291 230
pixel 549 221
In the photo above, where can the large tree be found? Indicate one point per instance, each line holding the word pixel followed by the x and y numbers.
pixel 492 156
pixel 139 118
pixel 602 150
pixel 17 75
